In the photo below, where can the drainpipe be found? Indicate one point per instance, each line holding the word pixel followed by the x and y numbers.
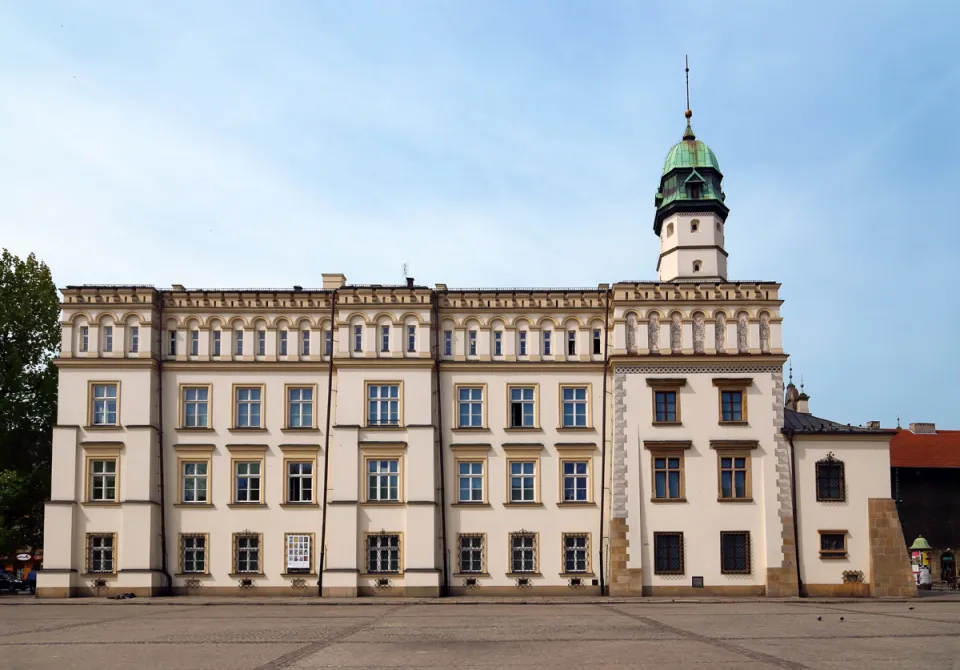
pixel 445 583
pixel 326 446
pixel 796 517
pixel 603 434
pixel 163 502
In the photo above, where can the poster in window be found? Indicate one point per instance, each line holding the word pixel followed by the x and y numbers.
pixel 298 552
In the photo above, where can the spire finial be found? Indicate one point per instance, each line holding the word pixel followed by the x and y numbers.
pixel 688 133
pixel 791 372
pixel 898 420
pixel 801 383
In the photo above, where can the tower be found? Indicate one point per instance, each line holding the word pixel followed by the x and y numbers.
pixel 691 212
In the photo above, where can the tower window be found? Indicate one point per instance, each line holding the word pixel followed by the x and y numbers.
pixel 695 225
pixel 693 190
pixel 696 266
pixel 719 228
pixel 669 229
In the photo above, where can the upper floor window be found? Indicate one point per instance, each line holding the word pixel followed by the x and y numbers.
pixel 522 407
pixel 247 482
pixel 248 406
pixel 383 404
pixel 196 406
pixel 731 405
pixel 216 342
pixel 667 476
pixel 571 343
pixel 261 343
pixel 696 266
pixel 597 341
pixel 194 484
pixel 108 338
pixel 470 481
pixel 447 343
pixel 498 343
pixel 547 342
pixel 103 480
pixel 575 481
pixel 383 480
pixel 238 342
pixel 300 407
pixel 734 476
pixel 194 342
pixel 134 339
pixel 523 343
pixel 472 341
pixel 300 482
pixel 104 405
pixel 523 481
pixel 831 485
pixel 694 190
pixel 358 338
pixel 470 407
pixel 304 342
pixel 328 342
pixel 84 338
pixel 384 338
pixel 283 343
pixel 574 406
pixel 411 339
pixel 666 406
pixel 172 348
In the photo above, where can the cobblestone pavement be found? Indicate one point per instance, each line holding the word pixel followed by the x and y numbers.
pixel 186 634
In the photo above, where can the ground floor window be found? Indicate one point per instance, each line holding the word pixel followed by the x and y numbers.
pixel 471 553
pixel 193 553
pixel 735 552
pixel 100 553
pixel 576 553
pixel 246 553
pixel 668 553
pixel 383 553
pixel 523 552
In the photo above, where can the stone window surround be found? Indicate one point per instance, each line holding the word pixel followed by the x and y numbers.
pixel 483 556
pixel 735 449
pixel 667 449
pixel 666 384
pixel 741 384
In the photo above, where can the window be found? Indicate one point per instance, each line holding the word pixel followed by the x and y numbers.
pixel 196 402
pixel 731 404
pixel 547 342
pixel 575 481
pixel 283 342
pixel 103 480
pixel 300 482
pixel 328 342
pixel 300 407
pixel 195 481
pixel 246 553
pixel 472 340
pixel 248 406
pixel 470 481
pixel 735 552
pixel 831 484
pixel 695 223
pixel 522 407
pixel 304 342
pixel 384 338
pixel 571 343
pixel 298 552
pixel 108 338
pixel 576 553
pixel 383 480
pixel 734 476
pixel 447 343
pixel 696 266
pixel 597 341
pixel 104 405
pixel 471 552
pixel 261 342
pixel 523 552
pixel 411 339
pixel 383 554
pixel 84 338
pixel 523 480
pixel 134 339
pixel 470 407
pixel 383 404
pixel 523 343
pixel 498 343
pixel 574 406
pixel 238 342
pixel 172 350
pixel 833 543
pixel 247 487
pixel 666 406
pixel 669 229
pixel 694 192
pixel 193 554
pixel 194 342
pixel 668 553
pixel 358 338
pixel 100 556
pixel 216 342
pixel 667 477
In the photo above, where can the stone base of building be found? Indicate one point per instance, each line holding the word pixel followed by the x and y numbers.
pixel 624 581
pixel 104 592
pixel 851 590
pixel 782 582
pixel 723 591
pixel 890 572
pixel 524 591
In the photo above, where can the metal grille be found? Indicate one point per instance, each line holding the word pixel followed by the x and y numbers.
pixel 383 554
pixel 523 549
pixel 831 484
pixel 668 553
pixel 471 553
pixel 735 552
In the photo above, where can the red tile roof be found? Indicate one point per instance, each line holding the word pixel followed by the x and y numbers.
pixel 925 450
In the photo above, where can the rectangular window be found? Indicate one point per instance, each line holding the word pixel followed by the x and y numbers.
pixel 194 342
pixel 328 342
pixel 470 407
pixel 300 407
pixel 193 553
pixel 731 405
pixel 522 407
pixel 247 482
pixel 103 480
pixel 108 338
pixel 383 554
pixel 666 404
pixel 447 343
pixel 575 481
pixel 472 341
pixel 134 339
pixel 571 343
pixel 195 481
pixel 668 553
pixel 735 552
pixel 383 480
pixel 575 407
pixel 833 543
pixel 283 343
pixel 238 342
pixel 304 342
pixel 261 343
pixel 470 481
pixel 523 343
pixel 523 481
pixel 575 553
pixel 358 338
pixel 547 342
pixel 196 403
pixel 172 349
pixel 247 553
pixel 298 552
pixel 100 553
pixel 734 475
pixel 84 338
pixel 471 553
pixel 104 404
pixel 668 477
pixel 498 343
pixel 597 342
pixel 300 482
pixel 831 486
pixel 216 342
pixel 384 338
pixel 523 552
pixel 383 404
pixel 411 339
pixel 248 406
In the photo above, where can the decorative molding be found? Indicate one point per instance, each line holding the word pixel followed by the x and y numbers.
pixel 697 369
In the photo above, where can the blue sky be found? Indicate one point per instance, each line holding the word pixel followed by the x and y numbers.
pixel 505 144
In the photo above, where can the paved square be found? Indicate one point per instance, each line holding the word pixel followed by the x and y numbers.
pixel 265 635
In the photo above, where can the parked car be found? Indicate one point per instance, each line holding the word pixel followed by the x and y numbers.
pixel 10 584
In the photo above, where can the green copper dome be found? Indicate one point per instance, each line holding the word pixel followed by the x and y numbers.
pixel 690 153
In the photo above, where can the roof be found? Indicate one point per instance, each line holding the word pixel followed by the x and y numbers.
pixel 690 153
pixel 925 450
pixel 799 422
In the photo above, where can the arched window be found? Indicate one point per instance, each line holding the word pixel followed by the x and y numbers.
pixel 669 229
pixel 831 484
pixel 696 266
pixel 695 225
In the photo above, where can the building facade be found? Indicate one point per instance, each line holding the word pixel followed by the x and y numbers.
pixel 406 440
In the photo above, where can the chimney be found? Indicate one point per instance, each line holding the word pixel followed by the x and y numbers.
pixel 333 281
pixel 297 287
pixel 409 282
pixel 803 403
pixel 178 287
pixel 923 427
pixel 792 395
pixel 873 425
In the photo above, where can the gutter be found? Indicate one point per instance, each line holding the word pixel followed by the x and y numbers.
pixel 603 435
pixel 163 505
pixel 326 446
pixel 796 516
pixel 445 582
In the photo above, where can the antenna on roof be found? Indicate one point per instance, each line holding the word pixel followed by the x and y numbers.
pixel 687 70
pixel 405 267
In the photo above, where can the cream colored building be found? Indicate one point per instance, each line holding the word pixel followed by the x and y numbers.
pixel 405 440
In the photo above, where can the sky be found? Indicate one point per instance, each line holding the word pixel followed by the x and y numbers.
pixel 499 144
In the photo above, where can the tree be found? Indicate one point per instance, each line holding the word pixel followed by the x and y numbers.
pixel 29 339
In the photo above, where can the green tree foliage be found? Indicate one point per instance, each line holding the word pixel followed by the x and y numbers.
pixel 29 339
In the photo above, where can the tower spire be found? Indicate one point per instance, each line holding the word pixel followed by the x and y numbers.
pixel 688 133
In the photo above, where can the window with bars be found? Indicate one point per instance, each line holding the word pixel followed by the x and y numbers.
pixel 300 482
pixel 667 477
pixel 383 404
pixel 195 475
pixel 523 481
pixel 471 552
pixel 193 554
pixel 283 342
pixel 304 342
pixel 134 339
pixel 575 407
pixel 831 484
pixel 100 553
pixel 108 338
pixel 384 338
pixel 298 552
pixel 248 406
pixel 668 553
pixel 196 404
pixel 522 407
pixel 735 552
pixel 734 477
pixel 300 407
pixel 247 483
pixel 731 405
pixel 575 481
pixel 470 407
pixel 194 342
pixel 103 480
pixel 383 480
pixel 470 481
pixel 104 404
pixel 576 553
pixel 238 342
pixel 523 552
pixel 383 554
pixel 498 343
pixel 411 339
pixel 246 553
pixel 666 406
